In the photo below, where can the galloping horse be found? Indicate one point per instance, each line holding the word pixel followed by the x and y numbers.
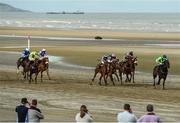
pixel 107 69
pixel 162 72
pixel 114 66
pixel 121 69
pixel 25 65
pixel 129 68
pixel 103 70
pixel 40 66
pixel 135 63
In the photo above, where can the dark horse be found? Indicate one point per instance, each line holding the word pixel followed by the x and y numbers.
pixel 128 68
pixel 162 72
pixel 106 69
pixel 39 66
pixel 25 64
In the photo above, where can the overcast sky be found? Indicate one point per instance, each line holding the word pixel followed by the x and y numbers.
pixel 97 5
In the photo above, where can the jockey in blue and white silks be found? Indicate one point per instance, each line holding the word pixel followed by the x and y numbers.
pixel 25 54
pixel 43 53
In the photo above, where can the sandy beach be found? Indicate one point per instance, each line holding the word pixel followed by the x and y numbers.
pixel 61 97
pixel 90 33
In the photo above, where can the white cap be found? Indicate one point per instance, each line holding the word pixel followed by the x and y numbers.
pixel 113 55
pixel 26 49
pixel 43 49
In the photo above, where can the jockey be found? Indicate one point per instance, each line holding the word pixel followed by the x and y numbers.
pixel 104 59
pixel 43 53
pixel 111 58
pixel 25 54
pixel 160 60
pixel 129 55
pixel 33 56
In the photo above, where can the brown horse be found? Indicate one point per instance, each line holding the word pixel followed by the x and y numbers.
pixel 135 63
pixel 129 68
pixel 103 70
pixel 107 69
pixel 114 66
pixel 25 65
pixel 121 69
pixel 162 72
pixel 40 66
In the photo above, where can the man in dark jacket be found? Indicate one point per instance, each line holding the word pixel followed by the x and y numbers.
pixel 22 111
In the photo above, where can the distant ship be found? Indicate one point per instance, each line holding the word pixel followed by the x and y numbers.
pixel 78 12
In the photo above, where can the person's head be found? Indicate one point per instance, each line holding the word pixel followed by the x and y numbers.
pixel 24 100
pixel 104 57
pixel 43 50
pixel 34 102
pixel 26 49
pixel 127 107
pixel 131 53
pixel 150 108
pixel 83 108
pixel 164 56
pixel 113 55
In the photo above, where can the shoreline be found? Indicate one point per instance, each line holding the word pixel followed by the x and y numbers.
pixel 22 31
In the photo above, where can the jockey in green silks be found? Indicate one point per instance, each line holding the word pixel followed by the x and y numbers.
pixel 160 60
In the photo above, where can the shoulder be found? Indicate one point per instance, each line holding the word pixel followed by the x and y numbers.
pixel 35 109
pixel 77 116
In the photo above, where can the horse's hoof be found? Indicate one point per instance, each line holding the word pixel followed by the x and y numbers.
pixel 99 83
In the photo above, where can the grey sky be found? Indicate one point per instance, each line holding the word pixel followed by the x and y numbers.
pixel 97 5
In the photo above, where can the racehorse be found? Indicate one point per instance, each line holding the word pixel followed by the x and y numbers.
pixel 129 68
pixel 25 65
pixel 135 63
pixel 121 69
pixel 162 72
pixel 114 66
pixel 39 66
pixel 107 69
pixel 102 69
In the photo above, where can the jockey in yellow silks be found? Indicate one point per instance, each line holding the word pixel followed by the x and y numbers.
pixel 32 57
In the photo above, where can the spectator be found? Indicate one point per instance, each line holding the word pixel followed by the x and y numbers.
pixel 150 116
pixel 126 115
pixel 34 114
pixel 84 116
pixel 22 111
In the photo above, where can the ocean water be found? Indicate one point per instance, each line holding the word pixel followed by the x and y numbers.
pixel 142 22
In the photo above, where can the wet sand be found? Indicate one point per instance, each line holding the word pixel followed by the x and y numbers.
pixel 61 97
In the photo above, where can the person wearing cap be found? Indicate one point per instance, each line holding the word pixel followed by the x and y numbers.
pixel 160 60
pixel 25 54
pixel 33 57
pixel 104 59
pixel 111 57
pixel 150 116
pixel 129 55
pixel 43 53
pixel 22 111
pixel 34 113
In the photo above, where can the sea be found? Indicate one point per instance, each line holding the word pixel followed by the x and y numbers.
pixel 127 22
